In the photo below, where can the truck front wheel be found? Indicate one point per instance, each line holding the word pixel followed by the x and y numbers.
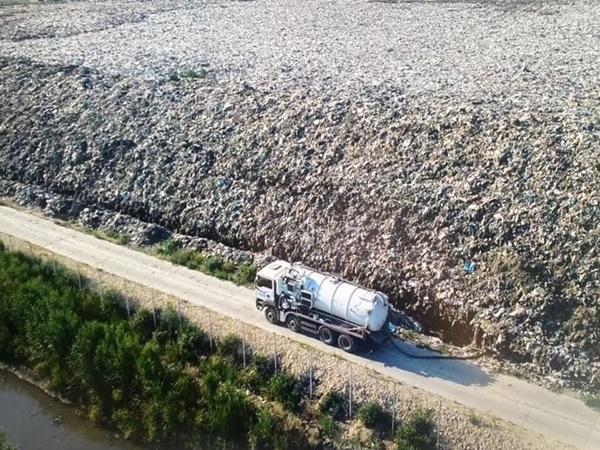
pixel 271 315
pixel 346 343
pixel 293 323
pixel 326 336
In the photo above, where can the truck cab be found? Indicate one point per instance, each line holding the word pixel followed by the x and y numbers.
pixel 267 284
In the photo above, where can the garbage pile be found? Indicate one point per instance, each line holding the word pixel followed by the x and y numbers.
pixel 481 220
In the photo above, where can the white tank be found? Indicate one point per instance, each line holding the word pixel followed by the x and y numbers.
pixel 343 299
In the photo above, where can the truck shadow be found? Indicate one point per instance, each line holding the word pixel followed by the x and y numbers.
pixel 462 372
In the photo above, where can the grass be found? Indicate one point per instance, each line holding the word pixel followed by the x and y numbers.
pixel 111 236
pixel 475 420
pixel 241 274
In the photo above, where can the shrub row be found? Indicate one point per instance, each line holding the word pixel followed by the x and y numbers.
pixel 242 274
pixel 151 383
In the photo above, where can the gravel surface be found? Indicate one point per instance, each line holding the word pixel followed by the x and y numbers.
pixel 443 152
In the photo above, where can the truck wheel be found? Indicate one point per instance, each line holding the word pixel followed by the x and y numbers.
pixel 271 315
pixel 293 323
pixel 346 343
pixel 326 336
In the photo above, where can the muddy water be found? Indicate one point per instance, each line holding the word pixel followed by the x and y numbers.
pixel 27 417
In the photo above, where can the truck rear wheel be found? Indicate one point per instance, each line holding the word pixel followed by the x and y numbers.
pixel 293 323
pixel 326 336
pixel 271 315
pixel 346 343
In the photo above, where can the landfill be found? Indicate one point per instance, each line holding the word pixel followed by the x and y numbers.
pixel 468 192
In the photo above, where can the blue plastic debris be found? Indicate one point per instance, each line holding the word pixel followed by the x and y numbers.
pixel 470 266
pixel 472 229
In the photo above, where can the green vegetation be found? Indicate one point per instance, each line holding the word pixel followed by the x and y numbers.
pixel 372 415
pixel 5 444
pixel 150 384
pixel 333 404
pixel 230 347
pixel 593 401
pixel 328 426
pixel 154 377
pixel 242 274
pixel 286 390
pixel 117 238
pixel 109 235
pixel 418 433
pixel 193 73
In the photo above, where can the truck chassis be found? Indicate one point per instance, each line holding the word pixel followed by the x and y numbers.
pixel 330 329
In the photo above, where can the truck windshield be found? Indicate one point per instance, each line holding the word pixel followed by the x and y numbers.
pixel 263 282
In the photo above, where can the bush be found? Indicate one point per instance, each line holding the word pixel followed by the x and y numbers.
pixel 285 389
pixel 192 344
pixel 333 404
pixel 263 434
pixel 328 426
pixel 258 374
pixel 213 264
pixel 168 324
pixel 228 411
pixel 230 346
pixel 217 370
pixel 117 238
pixel 371 414
pixel 274 429
pixel 168 247
pixel 244 274
pixel 5 444
pixel 143 324
pixel 418 433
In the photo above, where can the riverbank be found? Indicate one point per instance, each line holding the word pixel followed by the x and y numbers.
pixel 25 374
pixel 57 426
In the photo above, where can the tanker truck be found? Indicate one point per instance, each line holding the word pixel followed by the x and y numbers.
pixel 336 311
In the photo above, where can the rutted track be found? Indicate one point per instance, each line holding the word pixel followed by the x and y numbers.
pixel 538 409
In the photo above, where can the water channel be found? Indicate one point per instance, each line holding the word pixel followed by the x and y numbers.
pixel 35 421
